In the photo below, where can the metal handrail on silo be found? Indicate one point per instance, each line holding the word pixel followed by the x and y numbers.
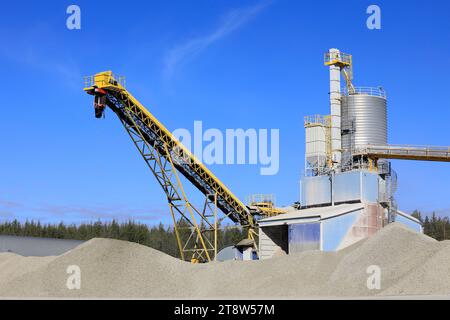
pixel 367 91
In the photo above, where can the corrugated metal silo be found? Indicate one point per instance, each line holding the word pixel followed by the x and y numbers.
pixel 364 119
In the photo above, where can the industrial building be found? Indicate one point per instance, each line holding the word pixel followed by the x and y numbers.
pixel 329 228
pixel 346 195
pixel 347 191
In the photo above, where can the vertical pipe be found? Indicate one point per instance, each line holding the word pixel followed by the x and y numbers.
pixel 335 108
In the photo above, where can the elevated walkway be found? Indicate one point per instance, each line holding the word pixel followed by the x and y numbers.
pixel 405 152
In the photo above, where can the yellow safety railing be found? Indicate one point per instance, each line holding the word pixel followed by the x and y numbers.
pixel 341 58
pixel 103 79
pixel 256 199
pixel 107 81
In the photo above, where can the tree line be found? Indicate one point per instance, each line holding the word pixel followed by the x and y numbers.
pixel 159 237
pixel 434 226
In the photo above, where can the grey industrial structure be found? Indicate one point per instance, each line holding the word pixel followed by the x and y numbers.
pixel 346 195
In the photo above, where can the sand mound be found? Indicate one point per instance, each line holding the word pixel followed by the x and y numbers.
pixel 430 277
pixel 410 263
pixel 109 268
pixel 396 250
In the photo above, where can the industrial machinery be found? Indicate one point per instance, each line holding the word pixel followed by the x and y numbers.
pixel 346 162
pixel 169 160
pixel 347 193
pixel 354 138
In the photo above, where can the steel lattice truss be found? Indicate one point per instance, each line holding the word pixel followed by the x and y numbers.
pixel 196 229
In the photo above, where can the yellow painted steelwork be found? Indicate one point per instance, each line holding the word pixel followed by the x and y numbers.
pixel 265 203
pixel 344 62
pixel 338 58
pixel 166 157
pixel 105 80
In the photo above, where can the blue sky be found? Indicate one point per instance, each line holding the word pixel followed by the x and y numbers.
pixel 230 64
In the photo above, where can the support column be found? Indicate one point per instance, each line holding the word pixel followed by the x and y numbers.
pixel 335 111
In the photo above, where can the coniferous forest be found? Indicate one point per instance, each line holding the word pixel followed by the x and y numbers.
pixel 434 226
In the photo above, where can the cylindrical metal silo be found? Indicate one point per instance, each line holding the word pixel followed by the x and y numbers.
pixel 364 119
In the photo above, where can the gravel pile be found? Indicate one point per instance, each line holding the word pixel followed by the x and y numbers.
pixel 410 264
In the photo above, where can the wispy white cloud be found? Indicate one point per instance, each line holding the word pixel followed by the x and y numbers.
pixel 26 47
pixel 7 204
pixel 191 48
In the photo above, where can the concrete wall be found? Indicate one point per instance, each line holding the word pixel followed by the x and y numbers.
pixel 272 241
pixel 32 246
